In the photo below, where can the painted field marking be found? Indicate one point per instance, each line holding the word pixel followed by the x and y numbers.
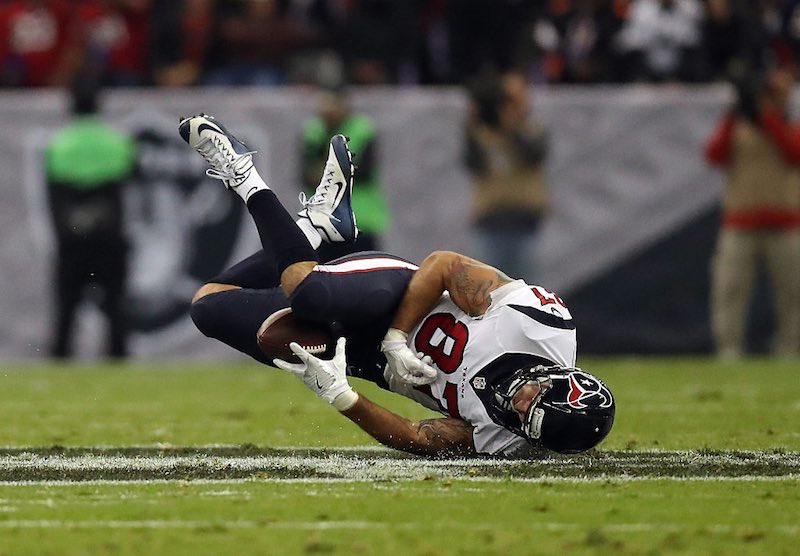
pixel 155 464
pixel 482 480
pixel 720 528
pixel 184 524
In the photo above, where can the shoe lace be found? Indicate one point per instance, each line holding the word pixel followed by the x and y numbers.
pixel 225 164
pixel 319 198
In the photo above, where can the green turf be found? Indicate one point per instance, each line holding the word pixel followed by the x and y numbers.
pixel 77 405
pixel 669 404
pixel 704 409
pixel 421 517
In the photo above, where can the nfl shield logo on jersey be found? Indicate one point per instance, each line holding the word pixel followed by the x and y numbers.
pixel 479 383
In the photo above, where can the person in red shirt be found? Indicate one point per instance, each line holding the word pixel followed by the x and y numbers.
pixel 759 149
pixel 180 33
pixel 112 36
pixel 32 33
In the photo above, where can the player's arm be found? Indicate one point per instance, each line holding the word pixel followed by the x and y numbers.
pixel 468 281
pixel 785 135
pixel 718 147
pixel 328 380
pixel 431 437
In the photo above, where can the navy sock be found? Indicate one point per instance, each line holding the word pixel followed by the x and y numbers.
pixel 278 231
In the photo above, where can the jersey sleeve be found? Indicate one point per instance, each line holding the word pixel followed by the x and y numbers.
pixel 506 293
pixel 533 319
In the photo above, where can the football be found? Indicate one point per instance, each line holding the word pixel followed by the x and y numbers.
pixel 282 328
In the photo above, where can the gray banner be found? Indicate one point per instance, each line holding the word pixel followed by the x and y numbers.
pixel 626 166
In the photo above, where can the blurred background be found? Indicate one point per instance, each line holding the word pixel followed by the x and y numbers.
pixel 602 147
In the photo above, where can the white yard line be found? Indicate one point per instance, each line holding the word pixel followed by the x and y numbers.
pixel 183 524
pixel 330 480
pixel 31 467
pixel 635 527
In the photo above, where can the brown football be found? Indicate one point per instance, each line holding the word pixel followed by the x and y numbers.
pixel 282 328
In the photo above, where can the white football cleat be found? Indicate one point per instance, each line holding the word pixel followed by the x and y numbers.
pixel 330 209
pixel 230 160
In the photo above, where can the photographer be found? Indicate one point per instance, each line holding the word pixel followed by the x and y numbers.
pixel 505 155
pixel 759 149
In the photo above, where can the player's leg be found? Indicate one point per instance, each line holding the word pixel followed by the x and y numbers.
pixel 69 283
pixel 732 277
pixel 331 251
pixel 783 262
pixel 359 293
pixel 327 215
pixel 256 271
pixel 110 269
pixel 363 289
pixel 233 316
pixel 232 306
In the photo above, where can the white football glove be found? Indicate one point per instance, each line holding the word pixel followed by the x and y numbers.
pixel 328 379
pixel 413 368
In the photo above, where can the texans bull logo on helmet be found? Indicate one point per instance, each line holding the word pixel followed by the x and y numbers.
pixel 586 391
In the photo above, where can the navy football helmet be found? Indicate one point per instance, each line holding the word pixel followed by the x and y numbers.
pixel 573 412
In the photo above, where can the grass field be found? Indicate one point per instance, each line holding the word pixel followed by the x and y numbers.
pixel 241 459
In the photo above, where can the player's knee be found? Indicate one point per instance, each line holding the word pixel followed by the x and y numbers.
pixel 209 288
pixel 294 275
pixel 205 308
pixel 200 314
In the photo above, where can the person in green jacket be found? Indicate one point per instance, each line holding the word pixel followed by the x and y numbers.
pixel 335 116
pixel 86 164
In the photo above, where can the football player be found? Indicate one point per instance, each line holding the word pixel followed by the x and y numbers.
pixel 494 354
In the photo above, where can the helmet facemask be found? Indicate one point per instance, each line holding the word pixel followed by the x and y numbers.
pixel 572 412
pixel 507 389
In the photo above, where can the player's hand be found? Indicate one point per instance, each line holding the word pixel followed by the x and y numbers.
pixel 413 368
pixel 328 379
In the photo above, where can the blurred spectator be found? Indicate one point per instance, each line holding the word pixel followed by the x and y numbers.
pixel 268 42
pixel 112 36
pixel 662 39
pixel 335 115
pixel 577 41
pixel 760 151
pixel 790 29
pixel 433 54
pixel 87 162
pixel 254 42
pixel 505 153
pixel 723 29
pixel 741 36
pixel 32 34
pixel 485 35
pixel 180 33
pixel 379 40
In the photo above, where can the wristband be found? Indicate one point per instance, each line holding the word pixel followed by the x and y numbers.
pixel 345 400
pixel 395 335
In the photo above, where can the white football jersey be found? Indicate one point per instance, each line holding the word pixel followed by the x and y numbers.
pixel 523 327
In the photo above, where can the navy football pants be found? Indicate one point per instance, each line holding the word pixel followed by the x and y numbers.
pixel 357 295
